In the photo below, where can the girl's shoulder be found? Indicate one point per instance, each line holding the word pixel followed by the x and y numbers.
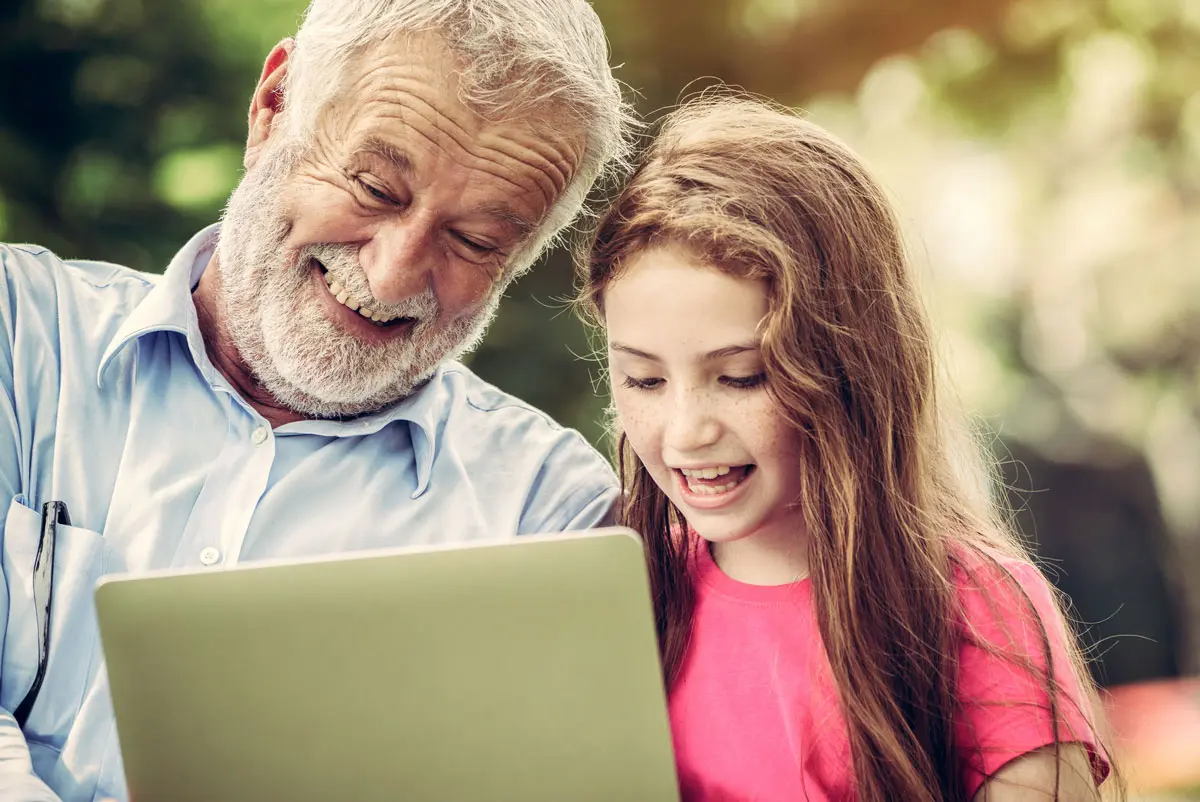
pixel 1018 684
pixel 999 590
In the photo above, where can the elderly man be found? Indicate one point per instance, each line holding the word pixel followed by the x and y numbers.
pixel 288 388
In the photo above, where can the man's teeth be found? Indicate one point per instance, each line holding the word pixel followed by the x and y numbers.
pixel 712 472
pixel 343 297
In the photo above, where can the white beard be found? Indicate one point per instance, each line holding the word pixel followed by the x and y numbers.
pixel 269 304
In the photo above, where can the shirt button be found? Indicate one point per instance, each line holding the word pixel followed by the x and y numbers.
pixel 210 556
pixel 260 436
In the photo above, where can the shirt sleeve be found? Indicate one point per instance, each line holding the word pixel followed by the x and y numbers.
pixel 10 431
pixel 17 780
pixel 1006 709
pixel 574 489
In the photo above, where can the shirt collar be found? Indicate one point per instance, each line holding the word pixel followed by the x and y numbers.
pixel 426 411
pixel 169 307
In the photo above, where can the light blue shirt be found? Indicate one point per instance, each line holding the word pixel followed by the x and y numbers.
pixel 111 405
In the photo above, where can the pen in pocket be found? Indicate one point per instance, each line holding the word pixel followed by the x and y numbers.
pixel 54 513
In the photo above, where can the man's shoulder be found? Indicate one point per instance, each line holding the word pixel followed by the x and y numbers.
pixel 501 413
pixel 33 272
pixel 508 425
pixel 567 483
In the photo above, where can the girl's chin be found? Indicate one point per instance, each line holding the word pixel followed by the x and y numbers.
pixel 709 533
pixel 721 538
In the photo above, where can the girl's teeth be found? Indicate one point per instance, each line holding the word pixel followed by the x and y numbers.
pixel 711 490
pixel 708 473
pixel 342 296
pixel 697 480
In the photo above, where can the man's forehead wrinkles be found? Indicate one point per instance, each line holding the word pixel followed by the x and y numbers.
pixel 476 158
pixel 493 155
pixel 456 142
pixel 506 215
pixel 378 146
pixel 553 164
pixel 409 114
pixel 410 91
pixel 479 138
pixel 397 70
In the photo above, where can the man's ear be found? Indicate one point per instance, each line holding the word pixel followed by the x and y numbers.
pixel 267 102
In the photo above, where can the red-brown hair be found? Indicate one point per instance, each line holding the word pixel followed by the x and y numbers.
pixel 893 497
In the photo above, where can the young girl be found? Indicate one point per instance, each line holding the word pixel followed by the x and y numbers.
pixel 841 613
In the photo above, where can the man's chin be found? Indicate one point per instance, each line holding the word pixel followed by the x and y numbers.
pixel 312 405
pixel 330 399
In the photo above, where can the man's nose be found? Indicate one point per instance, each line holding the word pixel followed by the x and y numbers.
pixel 692 425
pixel 399 260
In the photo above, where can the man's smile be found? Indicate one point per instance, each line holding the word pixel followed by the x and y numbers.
pixel 342 296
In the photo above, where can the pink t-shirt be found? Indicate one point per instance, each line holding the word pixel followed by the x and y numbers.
pixel 755 715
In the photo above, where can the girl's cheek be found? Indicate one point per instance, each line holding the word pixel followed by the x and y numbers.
pixel 639 425
pixel 633 422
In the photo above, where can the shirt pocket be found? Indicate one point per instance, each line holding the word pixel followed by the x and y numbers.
pixel 80 556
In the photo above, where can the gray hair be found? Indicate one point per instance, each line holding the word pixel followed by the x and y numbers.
pixel 518 56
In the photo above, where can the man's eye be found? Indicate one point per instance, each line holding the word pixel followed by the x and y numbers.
pixel 474 244
pixel 377 193
pixel 641 384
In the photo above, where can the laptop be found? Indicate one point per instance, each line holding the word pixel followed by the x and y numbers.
pixel 522 670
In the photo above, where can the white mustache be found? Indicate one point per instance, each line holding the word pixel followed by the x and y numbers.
pixel 341 262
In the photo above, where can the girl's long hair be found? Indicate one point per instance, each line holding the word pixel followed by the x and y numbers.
pixel 895 496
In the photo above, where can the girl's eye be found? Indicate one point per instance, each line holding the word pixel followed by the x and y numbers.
pixel 641 384
pixel 744 382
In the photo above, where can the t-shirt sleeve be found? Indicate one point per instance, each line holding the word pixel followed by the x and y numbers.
pixel 1006 709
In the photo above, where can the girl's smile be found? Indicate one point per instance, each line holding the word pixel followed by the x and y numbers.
pixel 690 389
pixel 713 487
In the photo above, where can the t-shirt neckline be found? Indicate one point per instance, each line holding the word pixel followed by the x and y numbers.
pixel 710 574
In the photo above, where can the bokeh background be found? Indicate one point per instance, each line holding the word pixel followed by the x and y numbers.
pixel 1044 155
